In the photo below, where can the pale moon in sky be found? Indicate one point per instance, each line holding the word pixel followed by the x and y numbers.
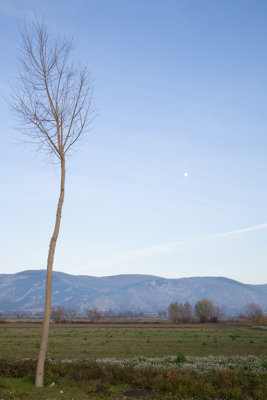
pixel 185 174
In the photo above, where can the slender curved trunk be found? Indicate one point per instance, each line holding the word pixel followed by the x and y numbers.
pixel 50 260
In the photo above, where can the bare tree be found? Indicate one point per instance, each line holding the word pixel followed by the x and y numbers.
pixel 71 313
pixel 180 312
pixel 162 313
pixel 253 311
pixel 93 314
pixel 185 312
pixel 217 313
pixel 58 314
pixel 51 101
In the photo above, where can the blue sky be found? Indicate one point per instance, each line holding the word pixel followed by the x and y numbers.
pixel 179 87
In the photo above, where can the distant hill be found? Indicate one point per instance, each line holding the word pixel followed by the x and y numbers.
pixel 25 291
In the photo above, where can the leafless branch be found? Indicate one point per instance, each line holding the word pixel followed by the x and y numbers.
pixel 52 97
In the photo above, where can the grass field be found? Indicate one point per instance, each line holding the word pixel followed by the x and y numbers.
pixel 101 341
pixel 189 365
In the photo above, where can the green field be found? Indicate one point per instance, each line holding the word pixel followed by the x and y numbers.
pixel 92 341
pixel 144 361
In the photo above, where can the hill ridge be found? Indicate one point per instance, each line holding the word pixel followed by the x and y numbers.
pixel 25 290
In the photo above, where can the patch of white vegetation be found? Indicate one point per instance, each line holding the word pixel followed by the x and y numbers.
pixel 248 364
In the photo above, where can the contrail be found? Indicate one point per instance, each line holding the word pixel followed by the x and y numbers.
pixel 244 230
pixel 171 248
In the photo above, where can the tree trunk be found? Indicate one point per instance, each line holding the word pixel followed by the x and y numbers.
pixel 50 260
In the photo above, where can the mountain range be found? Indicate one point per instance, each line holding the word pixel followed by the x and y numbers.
pixel 25 291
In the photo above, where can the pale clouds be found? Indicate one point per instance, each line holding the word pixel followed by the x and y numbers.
pixel 168 248
pixel 152 251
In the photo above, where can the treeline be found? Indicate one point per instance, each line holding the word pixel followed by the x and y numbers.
pixel 207 311
pixel 204 311
pixel 60 314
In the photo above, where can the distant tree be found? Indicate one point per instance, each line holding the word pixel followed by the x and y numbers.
pixel 185 312
pixel 180 312
pixel 71 313
pixel 52 101
pixel 93 314
pixel 2 316
pixel 19 314
pixel 173 312
pixel 217 313
pixel 203 310
pixel 58 314
pixel 109 314
pixel 253 312
pixel 162 313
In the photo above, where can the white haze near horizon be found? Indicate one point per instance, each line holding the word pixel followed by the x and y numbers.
pixel 114 263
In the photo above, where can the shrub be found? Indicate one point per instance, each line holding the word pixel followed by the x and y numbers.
pixel 173 379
